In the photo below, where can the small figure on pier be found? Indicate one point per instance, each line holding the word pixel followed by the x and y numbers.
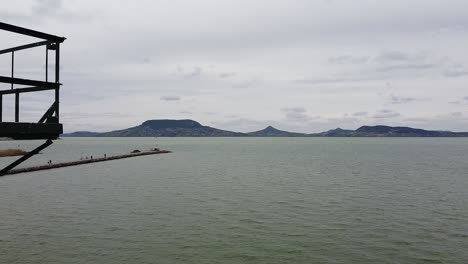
pixel 105 156
pixel 49 162
pixel 91 157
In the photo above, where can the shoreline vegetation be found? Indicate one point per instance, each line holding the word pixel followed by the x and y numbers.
pixel 12 152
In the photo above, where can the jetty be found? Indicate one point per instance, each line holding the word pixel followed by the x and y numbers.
pixel 85 161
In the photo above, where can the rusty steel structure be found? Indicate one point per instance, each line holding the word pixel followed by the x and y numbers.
pixel 48 127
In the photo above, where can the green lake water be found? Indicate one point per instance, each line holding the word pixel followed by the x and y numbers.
pixel 240 200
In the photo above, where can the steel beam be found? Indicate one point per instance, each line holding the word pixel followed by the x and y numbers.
pixel 30 32
pixel 19 81
pixel 26 90
pixel 23 47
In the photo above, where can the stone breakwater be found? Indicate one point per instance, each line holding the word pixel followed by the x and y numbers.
pixel 86 161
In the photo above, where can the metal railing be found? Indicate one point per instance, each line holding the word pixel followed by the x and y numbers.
pixel 51 43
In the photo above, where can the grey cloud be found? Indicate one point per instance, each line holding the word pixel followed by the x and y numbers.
pixel 402 100
pixel 360 114
pixel 417 66
pixel 244 84
pixel 195 72
pixel 399 56
pixel 227 75
pixel 388 61
pixel 382 114
pixel 46 7
pixel 465 98
pixel 331 80
pixel 170 98
pixel 454 73
pixel 294 109
pixel 297 114
pixel 347 59
pixel 289 40
pixel 455 102
pixel 457 114
pixel 42 10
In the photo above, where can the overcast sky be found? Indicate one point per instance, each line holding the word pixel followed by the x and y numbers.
pixel 241 65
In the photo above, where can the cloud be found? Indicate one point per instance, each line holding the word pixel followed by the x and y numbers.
pixel 399 67
pixel 329 57
pixel 244 84
pixel 383 114
pixel 294 109
pixel 399 56
pixel 227 75
pixel 465 98
pixel 38 12
pixel 170 98
pixel 296 114
pixel 195 72
pixel 347 59
pixel 46 7
pixel 455 102
pixel 402 100
pixel 332 80
pixel 394 60
pixel 454 73
pixel 360 114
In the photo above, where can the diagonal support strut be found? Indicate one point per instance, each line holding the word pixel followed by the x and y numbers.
pixel 5 171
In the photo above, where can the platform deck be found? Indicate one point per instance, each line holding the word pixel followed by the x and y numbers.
pixel 30 130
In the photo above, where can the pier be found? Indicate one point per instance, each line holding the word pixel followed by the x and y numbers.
pixel 86 161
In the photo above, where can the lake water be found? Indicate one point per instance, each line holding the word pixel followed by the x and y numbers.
pixel 240 200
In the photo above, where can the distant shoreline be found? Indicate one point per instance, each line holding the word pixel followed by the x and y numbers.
pixel 12 152
pixel 191 128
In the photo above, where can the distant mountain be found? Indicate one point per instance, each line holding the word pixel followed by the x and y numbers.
pixel 273 132
pixel 387 131
pixel 82 134
pixel 338 132
pixel 164 128
pixel 190 128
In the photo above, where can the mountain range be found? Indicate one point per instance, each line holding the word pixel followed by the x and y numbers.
pixel 190 128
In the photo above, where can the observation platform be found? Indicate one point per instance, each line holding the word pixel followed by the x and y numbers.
pixel 47 127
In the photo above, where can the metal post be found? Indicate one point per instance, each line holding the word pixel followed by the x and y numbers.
pixel 12 67
pixel 1 106
pixel 46 63
pixel 57 80
pixel 16 107
pixel 57 62
pixel 57 103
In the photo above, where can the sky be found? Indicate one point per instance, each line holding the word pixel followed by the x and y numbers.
pixel 241 65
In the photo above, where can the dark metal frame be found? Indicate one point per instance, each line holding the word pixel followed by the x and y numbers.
pixel 48 127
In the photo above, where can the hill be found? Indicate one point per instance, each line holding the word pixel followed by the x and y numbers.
pixel 273 132
pixel 163 128
pixel 191 128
